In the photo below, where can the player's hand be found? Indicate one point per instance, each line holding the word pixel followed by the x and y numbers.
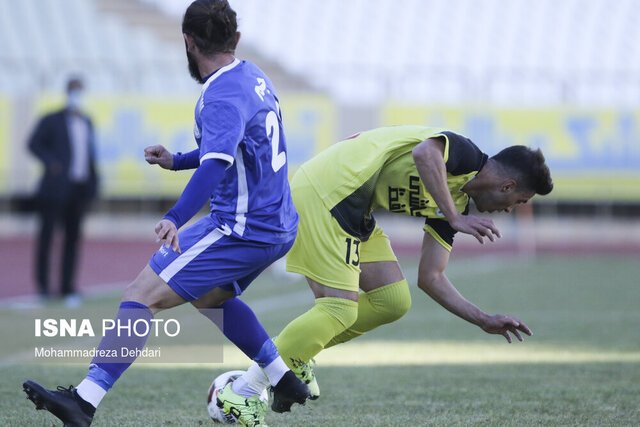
pixel 167 233
pixel 501 324
pixel 476 226
pixel 158 155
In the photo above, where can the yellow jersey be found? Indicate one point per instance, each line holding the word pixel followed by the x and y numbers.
pixel 375 170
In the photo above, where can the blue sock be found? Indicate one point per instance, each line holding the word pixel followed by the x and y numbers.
pixel 105 374
pixel 242 328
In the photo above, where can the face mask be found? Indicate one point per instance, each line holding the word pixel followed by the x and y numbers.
pixel 75 99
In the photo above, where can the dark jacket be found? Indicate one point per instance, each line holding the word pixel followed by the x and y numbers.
pixel 50 143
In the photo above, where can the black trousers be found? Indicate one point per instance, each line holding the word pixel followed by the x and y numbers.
pixel 69 214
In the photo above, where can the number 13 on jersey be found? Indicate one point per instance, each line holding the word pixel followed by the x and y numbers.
pixel 353 252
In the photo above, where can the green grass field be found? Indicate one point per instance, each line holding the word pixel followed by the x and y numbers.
pixel 581 367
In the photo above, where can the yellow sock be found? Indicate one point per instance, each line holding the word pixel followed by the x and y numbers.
pixel 375 308
pixel 306 335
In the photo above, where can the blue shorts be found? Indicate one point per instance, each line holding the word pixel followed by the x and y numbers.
pixel 213 257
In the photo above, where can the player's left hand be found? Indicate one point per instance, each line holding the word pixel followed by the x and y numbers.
pixel 167 233
pixel 502 324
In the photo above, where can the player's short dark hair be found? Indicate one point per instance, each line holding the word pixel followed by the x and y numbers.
pixel 527 167
pixel 212 24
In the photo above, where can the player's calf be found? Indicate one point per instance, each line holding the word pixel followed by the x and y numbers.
pixel 64 403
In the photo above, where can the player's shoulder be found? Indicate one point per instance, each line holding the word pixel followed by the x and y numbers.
pixel 250 69
pixel 462 155
pixel 240 74
pixel 458 139
pixel 243 84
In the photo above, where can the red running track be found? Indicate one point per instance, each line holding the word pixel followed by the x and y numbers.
pixel 118 261
pixel 101 262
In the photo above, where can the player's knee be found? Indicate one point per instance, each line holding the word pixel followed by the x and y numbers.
pixel 347 313
pixel 400 306
pixel 349 316
pixel 342 310
pixel 396 309
pixel 391 301
pixel 214 298
pixel 134 292
pixel 150 290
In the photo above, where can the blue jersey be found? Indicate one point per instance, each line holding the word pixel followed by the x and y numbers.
pixel 238 120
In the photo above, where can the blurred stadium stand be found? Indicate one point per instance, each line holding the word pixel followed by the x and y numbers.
pixel 361 54
pixel 558 74
pixel 516 52
pixel 360 51
pixel 121 45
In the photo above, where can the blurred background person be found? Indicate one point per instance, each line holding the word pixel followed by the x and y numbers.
pixel 64 142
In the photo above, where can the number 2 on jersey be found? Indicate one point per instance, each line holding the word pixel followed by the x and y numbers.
pixel 273 131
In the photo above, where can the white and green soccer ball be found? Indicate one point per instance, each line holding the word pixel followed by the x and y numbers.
pixel 217 415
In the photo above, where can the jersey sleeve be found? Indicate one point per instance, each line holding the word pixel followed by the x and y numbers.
pixel 198 190
pixel 440 230
pixel 190 160
pixel 222 131
pixel 462 156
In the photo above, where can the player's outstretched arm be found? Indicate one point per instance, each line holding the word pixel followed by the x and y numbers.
pixel 433 281
pixel 429 159
pixel 158 155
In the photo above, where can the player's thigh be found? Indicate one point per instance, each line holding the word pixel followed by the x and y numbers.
pixel 265 256
pixel 322 251
pixel 321 291
pixel 379 265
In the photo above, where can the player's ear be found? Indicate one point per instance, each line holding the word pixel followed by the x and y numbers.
pixel 188 42
pixel 508 185
pixel 238 35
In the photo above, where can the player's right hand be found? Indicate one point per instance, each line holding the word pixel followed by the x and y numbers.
pixel 167 233
pixel 502 324
pixel 158 155
pixel 476 226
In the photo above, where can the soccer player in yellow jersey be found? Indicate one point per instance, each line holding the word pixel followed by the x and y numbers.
pixel 410 170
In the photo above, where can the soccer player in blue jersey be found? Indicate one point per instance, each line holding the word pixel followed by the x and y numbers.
pixel 241 166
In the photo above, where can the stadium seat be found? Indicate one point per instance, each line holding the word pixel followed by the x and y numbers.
pixel 360 51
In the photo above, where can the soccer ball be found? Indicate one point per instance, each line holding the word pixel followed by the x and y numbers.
pixel 217 414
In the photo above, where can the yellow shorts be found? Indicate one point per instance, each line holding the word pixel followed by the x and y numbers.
pixel 323 251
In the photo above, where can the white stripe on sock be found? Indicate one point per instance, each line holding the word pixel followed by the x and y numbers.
pixel 91 392
pixel 276 370
pixel 243 389
pixel 255 378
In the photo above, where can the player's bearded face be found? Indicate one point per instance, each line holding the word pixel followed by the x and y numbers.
pixel 193 67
